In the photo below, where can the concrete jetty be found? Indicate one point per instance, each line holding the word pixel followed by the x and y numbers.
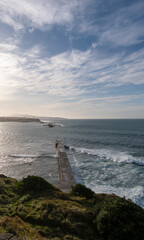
pixel 66 178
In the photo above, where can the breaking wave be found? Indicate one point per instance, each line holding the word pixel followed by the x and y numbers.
pixel 33 156
pixel 136 194
pixel 112 155
pixel 55 124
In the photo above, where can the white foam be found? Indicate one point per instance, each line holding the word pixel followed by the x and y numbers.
pixel 75 168
pixel 7 160
pixel 33 156
pixel 136 194
pixel 109 154
pixel 24 156
pixel 56 124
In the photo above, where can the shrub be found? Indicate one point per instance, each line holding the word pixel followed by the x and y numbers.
pixel 117 218
pixel 33 184
pixel 82 191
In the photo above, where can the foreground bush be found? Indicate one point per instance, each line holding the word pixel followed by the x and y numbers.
pixel 39 211
pixel 82 191
pixel 33 184
pixel 118 218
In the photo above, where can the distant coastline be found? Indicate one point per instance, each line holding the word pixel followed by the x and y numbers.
pixel 19 119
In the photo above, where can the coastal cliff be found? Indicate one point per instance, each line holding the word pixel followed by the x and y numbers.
pixel 34 209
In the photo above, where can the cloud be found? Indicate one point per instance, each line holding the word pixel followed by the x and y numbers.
pixel 94 45
pixel 71 74
pixel 4 17
pixel 39 14
pixel 121 27
pixel 98 107
pixel 110 56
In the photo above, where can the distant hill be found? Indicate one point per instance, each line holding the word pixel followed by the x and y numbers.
pixel 19 119
pixel 31 116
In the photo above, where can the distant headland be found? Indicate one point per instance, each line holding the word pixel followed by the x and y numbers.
pixel 19 119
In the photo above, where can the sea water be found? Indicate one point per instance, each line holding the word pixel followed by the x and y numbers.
pixel 106 155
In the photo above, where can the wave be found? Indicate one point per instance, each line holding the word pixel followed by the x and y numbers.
pixel 58 125
pixel 22 159
pixel 85 177
pixel 33 156
pixel 112 155
pixel 75 169
pixel 136 194
pixel 55 124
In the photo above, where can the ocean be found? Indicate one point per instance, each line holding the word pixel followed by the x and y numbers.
pixel 105 155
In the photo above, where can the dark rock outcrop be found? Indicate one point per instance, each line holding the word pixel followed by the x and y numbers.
pixel 9 236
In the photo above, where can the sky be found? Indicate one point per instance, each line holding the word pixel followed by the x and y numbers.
pixel 73 59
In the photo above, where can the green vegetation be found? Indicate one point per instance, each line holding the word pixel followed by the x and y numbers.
pixel 82 191
pixel 34 209
pixel 33 184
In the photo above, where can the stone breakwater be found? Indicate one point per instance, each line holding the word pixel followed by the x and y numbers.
pixel 66 178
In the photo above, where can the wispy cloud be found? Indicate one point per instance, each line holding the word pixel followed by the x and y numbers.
pixel 8 70
pixel 108 52
pixel 69 74
pixel 121 27
pixel 106 107
pixel 39 14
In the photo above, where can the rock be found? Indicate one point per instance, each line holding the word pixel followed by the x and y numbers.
pixel 49 125
pixel 3 176
pixel 52 125
pixel 8 236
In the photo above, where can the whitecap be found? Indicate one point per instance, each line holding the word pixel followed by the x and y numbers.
pixel 112 155
pixel 136 194
pixel 23 156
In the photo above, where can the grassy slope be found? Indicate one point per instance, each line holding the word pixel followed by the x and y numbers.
pixel 37 210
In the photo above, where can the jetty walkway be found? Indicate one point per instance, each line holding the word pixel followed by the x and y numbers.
pixel 66 178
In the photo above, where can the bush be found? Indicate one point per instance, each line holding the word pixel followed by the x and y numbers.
pixel 82 191
pixel 117 218
pixel 33 184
